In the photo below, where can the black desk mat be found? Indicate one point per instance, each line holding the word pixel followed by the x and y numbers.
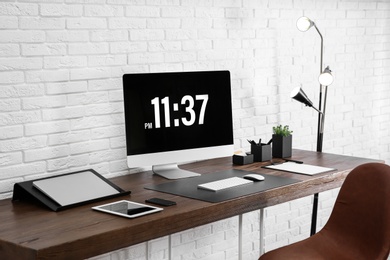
pixel 189 187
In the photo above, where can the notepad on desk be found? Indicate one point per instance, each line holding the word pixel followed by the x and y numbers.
pixel 300 168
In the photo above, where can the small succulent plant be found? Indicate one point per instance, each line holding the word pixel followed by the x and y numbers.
pixel 282 130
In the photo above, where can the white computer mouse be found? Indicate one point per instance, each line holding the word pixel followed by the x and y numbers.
pixel 253 177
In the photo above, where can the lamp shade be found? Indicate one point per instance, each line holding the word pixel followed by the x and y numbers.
pixel 304 24
pixel 299 95
pixel 326 77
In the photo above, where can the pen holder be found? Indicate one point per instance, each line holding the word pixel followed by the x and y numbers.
pixel 242 160
pixel 261 152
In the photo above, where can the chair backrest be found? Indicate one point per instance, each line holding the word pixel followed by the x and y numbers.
pixel 360 220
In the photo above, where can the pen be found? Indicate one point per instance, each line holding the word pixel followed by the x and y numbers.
pixel 271 163
pixel 290 160
pixel 252 142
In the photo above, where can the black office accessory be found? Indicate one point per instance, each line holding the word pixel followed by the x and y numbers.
pixel 161 202
pixel 291 160
pixel 281 146
pixel 189 187
pixel 242 159
pixel 261 152
pixel 67 190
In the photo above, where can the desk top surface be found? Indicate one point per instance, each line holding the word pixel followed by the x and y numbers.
pixel 29 231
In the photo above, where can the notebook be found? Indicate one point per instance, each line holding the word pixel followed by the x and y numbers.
pixel 300 168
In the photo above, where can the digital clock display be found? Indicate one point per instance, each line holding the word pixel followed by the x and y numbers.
pixel 187 101
pixel 173 111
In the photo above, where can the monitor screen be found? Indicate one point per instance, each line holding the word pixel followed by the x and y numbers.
pixel 177 117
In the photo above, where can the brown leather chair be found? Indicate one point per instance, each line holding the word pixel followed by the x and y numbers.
pixel 359 226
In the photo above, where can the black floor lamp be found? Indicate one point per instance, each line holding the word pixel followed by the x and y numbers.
pixel 325 79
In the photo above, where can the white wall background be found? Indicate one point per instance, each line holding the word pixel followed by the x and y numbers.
pixel 61 110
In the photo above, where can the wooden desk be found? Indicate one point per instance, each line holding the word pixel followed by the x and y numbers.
pixel 29 231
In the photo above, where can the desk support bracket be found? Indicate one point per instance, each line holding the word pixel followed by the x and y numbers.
pixel 240 236
pixel 261 227
pixel 314 215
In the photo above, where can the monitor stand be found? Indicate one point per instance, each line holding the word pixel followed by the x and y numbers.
pixel 172 172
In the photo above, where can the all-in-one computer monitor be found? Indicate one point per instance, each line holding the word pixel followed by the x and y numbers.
pixel 177 117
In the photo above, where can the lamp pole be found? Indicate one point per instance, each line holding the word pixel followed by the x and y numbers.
pixel 320 135
pixel 304 24
pixel 320 128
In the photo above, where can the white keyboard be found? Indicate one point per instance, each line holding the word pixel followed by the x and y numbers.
pixel 224 184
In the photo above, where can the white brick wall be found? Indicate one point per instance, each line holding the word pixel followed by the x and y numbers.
pixel 61 63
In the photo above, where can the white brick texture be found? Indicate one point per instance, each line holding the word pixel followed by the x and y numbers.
pixel 61 105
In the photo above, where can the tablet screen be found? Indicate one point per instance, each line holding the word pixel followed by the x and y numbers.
pixel 127 209
pixel 74 188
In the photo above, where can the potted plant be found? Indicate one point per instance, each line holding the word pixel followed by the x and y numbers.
pixel 281 141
